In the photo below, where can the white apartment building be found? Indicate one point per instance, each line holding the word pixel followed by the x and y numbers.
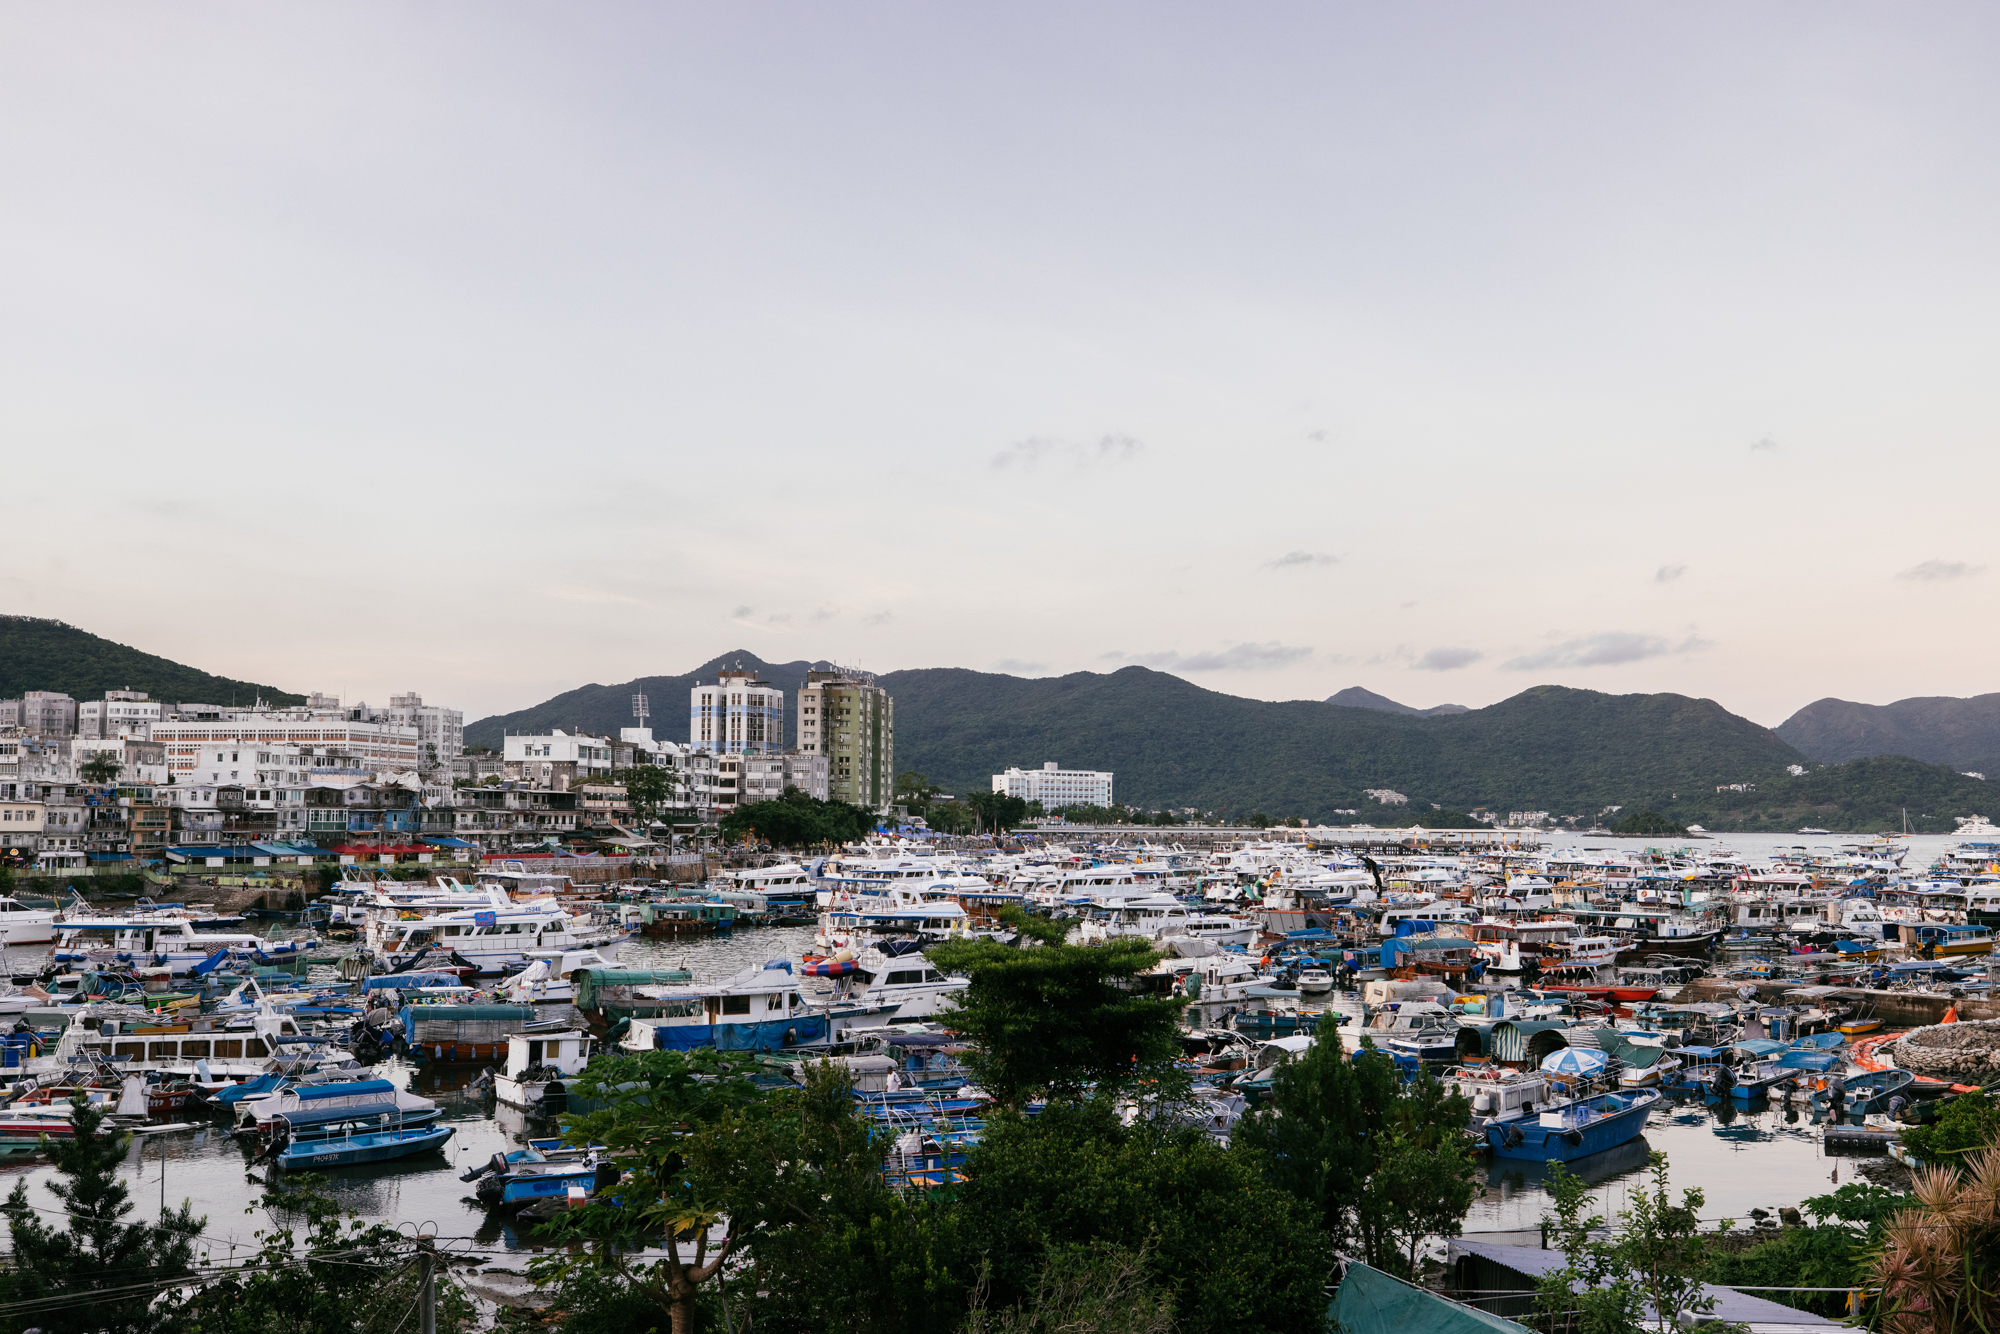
pixel 738 715
pixel 192 736
pixel 555 760
pixel 139 760
pixel 440 731
pixel 121 713
pixel 1055 786
pixel 21 824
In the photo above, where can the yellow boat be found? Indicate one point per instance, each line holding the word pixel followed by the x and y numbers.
pixel 1857 1025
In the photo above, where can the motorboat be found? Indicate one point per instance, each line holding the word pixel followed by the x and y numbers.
pixel 378 1139
pixel 537 1066
pixel 1314 981
pixel 1496 1092
pixel 550 978
pixel 1572 1130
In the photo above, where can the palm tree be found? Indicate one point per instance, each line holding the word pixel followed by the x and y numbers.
pixel 1939 1266
pixel 102 767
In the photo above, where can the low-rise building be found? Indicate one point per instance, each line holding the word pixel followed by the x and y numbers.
pixel 121 713
pixel 555 760
pixel 1056 787
pixel 21 825
pixel 42 713
pixel 809 772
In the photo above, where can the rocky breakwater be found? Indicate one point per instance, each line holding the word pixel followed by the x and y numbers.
pixel 1949 1049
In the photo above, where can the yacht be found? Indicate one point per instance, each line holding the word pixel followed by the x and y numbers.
pixel 551 976
pixel 161 941
pixel 22 925
pixel 493 939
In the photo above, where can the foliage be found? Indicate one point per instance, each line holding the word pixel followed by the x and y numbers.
pixel 1647 822
pixel 998 811
pixel 343 1276
pixel 796 820
pixel 915 791
pixel 1057 1019
pixel 1099 1288
pixel 101 767
pixel 73 1269
pixel 37 654
pixel 1238 1254
pixel 1966 1123
pixel 1938 1269
pixel 1835 1252
pixel 1380 1161
pixel 1652 1270
pixel 810 1235
pixel 648 789
pixel 952 817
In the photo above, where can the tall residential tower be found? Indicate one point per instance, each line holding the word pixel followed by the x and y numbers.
pixel 738 715
pixel 851 720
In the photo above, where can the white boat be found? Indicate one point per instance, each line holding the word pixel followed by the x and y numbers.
pixel 538 1063
pixel 1496 1091
pixel 857 916
pixel 22 925
pixel 158 940
pixel 908 981
pixel 549 977
pixel 494 938
pixel 1423 1029
pixel 1313 981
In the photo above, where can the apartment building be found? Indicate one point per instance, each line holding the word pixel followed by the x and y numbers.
pixel 1055 786
pixel 440 731
pixel 193 733
pixel 555 760
pixel 121 713
pixel 738 715
pixel 42 713
pixel 850 719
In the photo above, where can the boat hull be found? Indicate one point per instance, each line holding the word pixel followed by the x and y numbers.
pixel 1538 1143
pixel 769 1035
pixel 382 1148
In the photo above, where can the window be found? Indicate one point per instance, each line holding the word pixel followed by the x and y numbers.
pixel 736 1005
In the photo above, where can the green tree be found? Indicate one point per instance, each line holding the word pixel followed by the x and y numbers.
pixel 1379 1160
pixel 1652 1270
pixel 998 810
pixel 341 1276
pixel 1648 822
pixel 98 1272
pixel 1101 1288
pixel 1056 1019
pixel 1966 1124
pixel 915 791
pixel 796 820
pixel 101 767
pixel 810 1236
pixel 648 790
pixel 1237 1254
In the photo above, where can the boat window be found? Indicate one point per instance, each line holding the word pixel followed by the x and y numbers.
pixel 904 978
pixel 736 1005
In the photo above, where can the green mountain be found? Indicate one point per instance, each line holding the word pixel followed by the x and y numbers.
pixel 602 709
pixel 1174 744
pixel 1942 729
pixel 37 654
pixel 1355 697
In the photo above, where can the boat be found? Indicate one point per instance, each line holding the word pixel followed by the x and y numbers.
pixel 550 977
pixel 1314 981
pixel 1573 1130
pixel 304 1104
pixel 1496 1092
pixel 351 1142
pixel 1423 1029
pixel 537 1065
pixel 1875 1091
pixel 759 1009
pixel 22 925
pixel 547 1168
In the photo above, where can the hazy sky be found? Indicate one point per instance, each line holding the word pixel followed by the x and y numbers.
pixel 1445 349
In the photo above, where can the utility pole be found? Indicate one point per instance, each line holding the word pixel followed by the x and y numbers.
pixel 427 1294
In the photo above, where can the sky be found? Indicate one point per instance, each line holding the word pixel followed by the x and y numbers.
pixel 1446 349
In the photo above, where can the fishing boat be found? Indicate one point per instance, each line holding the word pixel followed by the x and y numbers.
pixel 759 1009
pixel 1875 1091
pixel 546 1168
pixel 1496 1092
pixel 316 1104
pixel 537 1065
pixel 350 1142
pixel 1423 1029
pixel 1573 1130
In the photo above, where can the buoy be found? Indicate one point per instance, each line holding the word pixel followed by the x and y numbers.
pixel 1950 1015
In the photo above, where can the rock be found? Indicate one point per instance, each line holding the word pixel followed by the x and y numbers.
pixel 1945 1049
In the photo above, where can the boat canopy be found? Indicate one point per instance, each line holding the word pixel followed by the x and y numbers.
pixel 350 1089
pixel 320 1116
pixel 1519 1040
pixel 589 981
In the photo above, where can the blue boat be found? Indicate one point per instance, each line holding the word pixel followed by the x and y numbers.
pixel 346 1144
pixel 1573 1130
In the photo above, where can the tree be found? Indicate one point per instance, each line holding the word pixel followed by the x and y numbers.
pixel 343 1276
pixel 1379 1160
pixel 1101 1288
pixel 796 820
pixel 73 1272
pixel 915 791
pixel 648 790
pixel 998 810
pixel 1653 1271
pixel 1648 822
pixel 1938 1271
pixel 811 1235
pixel 102 767
pixel 1238 1254
pixel 1056 1019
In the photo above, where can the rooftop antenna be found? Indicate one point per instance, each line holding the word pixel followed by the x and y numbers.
pixel 640 710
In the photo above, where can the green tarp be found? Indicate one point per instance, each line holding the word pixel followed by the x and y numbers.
pixel 590 980
pixel 1371 1302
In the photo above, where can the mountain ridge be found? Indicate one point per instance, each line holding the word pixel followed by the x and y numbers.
pixel 1359 697
pixel 1961 731
pixel 37 653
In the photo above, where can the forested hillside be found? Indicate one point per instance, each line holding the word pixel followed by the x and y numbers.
pixel 1942 729
pixel 37 654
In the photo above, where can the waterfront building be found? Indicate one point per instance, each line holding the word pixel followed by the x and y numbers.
pixel 738 715
pixel 847 717
pixel 1056 787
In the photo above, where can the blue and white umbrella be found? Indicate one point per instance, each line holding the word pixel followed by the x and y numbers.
pixel 1575 1061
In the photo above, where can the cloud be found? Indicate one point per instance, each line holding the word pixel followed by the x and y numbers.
pixel 1938 571
pixel 1612 649
pixel 1028 454
pixel 1447 659
pixel 1241 658
pixel 1293 560
pixel 1015 667
pixel 879 618
pixel 1317 436
pixel 1666 574
pixel 742 613
pixel 1764 446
